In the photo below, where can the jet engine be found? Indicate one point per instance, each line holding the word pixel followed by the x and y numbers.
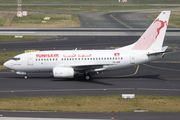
pixel 63 72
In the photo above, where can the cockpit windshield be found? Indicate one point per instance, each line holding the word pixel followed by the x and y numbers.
pixel 16 59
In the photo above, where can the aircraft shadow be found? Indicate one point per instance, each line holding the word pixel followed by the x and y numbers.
pixel 93 80
pixel 155 77
pixel 80 78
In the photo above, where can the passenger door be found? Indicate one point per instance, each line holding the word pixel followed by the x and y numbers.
pixel 30 59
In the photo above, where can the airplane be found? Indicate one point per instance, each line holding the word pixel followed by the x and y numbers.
pixel 68 63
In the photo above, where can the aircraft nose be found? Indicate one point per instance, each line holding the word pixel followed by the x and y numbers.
pixel 7 64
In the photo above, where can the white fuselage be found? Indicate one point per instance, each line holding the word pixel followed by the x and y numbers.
pixel 45 61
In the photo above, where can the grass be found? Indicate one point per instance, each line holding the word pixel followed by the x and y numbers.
pixel 85 8
pixel 4 38
pixel 4 56
pixel 2 67
pixel 2 21
pixel 34 20
pixel 92 2
pixel 174 20
pixel 111 103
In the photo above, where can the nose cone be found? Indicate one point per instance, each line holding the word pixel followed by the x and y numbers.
pixel 7 64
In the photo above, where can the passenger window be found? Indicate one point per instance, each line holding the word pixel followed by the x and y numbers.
pixel 104 58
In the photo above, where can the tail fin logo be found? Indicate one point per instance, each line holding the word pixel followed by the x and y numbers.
pixel 162 25
pixel 150 36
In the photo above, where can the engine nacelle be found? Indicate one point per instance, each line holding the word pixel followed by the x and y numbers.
pixel 63 72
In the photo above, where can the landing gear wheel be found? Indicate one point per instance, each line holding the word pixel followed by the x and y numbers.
pixel 25 77
pixel 87 77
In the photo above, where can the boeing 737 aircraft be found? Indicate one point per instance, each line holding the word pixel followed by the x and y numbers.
pixel 67 63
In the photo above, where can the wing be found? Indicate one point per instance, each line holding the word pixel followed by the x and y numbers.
pixel 89 68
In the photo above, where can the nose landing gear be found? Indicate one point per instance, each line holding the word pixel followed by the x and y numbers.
pixel 25 77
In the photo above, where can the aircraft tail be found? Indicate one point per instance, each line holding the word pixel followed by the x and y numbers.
pixel 152 39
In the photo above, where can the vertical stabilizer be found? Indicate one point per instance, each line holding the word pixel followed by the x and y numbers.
pixel 153 38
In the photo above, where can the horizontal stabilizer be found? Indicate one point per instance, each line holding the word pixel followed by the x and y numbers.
pixel 163 50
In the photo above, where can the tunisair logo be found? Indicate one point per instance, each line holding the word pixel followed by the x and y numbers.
pixel 47 55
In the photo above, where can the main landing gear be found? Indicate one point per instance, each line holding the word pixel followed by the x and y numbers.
pixel 87 76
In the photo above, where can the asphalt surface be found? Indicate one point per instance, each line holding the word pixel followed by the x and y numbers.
pixel 108 19
pixel 155 78
pixel 68 43
pixel 147 81
pixel 104 116
pixel 86 42
pixel 160 77
pixel 117 20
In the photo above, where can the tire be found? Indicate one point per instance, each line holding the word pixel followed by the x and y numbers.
pixel 87 77
pixel 25 77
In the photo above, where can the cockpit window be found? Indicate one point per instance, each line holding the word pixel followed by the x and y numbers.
pixel 16 59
